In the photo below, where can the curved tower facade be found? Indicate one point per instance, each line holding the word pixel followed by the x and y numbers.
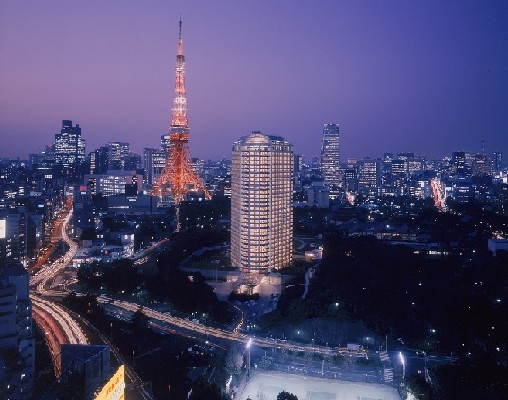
pixel 261 203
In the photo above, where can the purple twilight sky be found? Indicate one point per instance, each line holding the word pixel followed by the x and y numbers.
pixel 429 77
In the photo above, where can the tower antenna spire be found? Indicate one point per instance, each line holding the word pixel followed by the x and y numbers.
pixel 177 178
pixel 180 26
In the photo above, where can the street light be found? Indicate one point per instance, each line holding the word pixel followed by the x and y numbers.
pixel 401 356
pixel 248 357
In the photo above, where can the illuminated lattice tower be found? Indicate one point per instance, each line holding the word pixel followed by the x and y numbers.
pixel 177 179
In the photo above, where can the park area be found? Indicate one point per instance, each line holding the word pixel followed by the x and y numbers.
pixel 266 386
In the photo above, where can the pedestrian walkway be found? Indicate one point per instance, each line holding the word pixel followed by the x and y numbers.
pixel 388 375
pixel 387 366
pixel 383 355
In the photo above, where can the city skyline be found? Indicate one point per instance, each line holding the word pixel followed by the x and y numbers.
pixel 426 78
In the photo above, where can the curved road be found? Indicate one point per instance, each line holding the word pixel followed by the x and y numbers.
pixel 189 327
pixel 58 325
pixel 40 279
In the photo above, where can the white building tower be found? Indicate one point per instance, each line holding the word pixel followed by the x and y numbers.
pixel 261 203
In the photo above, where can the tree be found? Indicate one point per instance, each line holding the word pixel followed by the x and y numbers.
pixel 139 319
pixel 416 385
pixel 201 389
pixel 233 359
pixel 286 396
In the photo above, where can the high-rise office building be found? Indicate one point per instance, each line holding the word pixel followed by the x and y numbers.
pixel 17 230
pixel 115 182
pixel 261 203
pixel 330 155
pixel 481 166
pixel 118 154
pixel 369 177
pixel 350 180
pixel 166 143
pixel 459 165
pixel 69 145
pixel 17 345
pixel 154 161
pixel 99 160
pixel 497 161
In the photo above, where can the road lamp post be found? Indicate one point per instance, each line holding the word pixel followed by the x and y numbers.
pixel 403 362
pixel 249 343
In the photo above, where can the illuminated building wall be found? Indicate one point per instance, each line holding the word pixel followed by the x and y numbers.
pixel 154 161
pixel 16 334
pixel 330 155
pixel 99 160
pixel 459 164
pixel 14 232
pixel 115 182
pixel 165 143
pixel 497 161
pixel 69 145
pixel 462 190
pixel 115 388
pixel 318 195
pixel 482 166
pixel 118 153
pixel 261 203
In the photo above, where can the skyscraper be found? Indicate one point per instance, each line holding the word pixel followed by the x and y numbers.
pixel 261 203
pixel 330 155
pixel 497 161
pixel 369 177
pixel 153 164
pixel 118 153
pixel 17 345
pixel 99 160
pixel 69 145
pixel 459 164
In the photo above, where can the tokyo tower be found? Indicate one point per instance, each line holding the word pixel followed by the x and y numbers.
pixel 177 178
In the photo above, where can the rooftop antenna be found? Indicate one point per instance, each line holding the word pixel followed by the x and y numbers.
pixel 180 24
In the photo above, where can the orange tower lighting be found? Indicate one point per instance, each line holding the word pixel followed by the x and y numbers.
pixel 178 178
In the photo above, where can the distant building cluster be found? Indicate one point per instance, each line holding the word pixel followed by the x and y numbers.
pixel 113 181
pixel 461 177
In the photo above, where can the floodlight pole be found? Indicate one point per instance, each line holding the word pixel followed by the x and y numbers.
pixel 249 343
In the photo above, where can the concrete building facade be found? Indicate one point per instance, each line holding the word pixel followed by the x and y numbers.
pixel 261 203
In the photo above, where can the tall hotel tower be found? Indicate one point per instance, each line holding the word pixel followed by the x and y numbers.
pixel 261 203
pixel 330 155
